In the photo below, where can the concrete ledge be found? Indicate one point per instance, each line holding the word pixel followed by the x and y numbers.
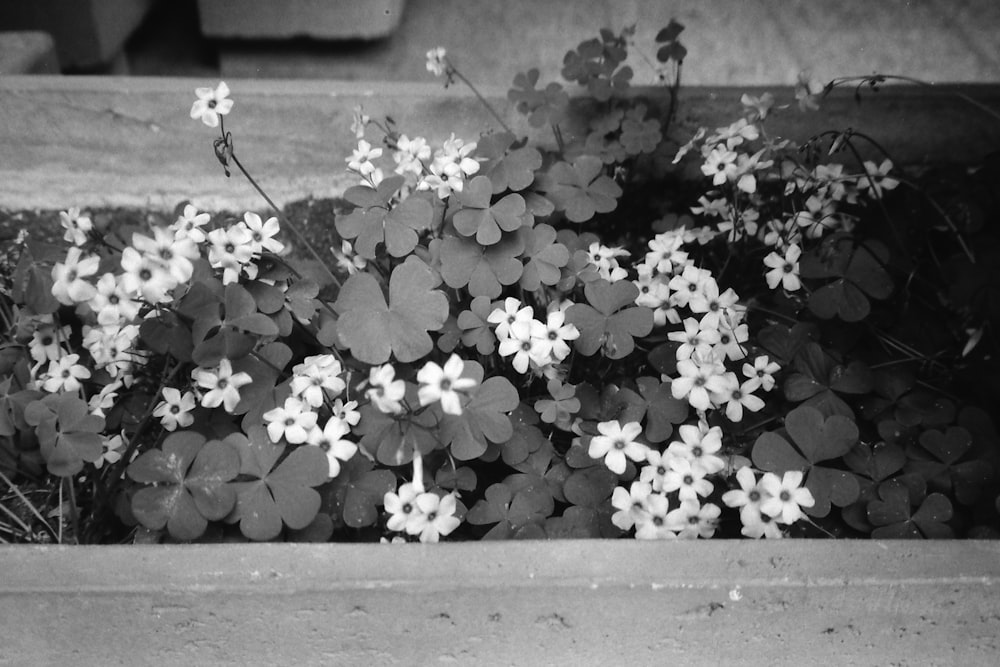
pixel 94 141
pixel 281 19
pixel 27 52
pixel 561 602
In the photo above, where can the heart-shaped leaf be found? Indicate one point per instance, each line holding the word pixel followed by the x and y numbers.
pixel 191 484
pixel 610 321
pixel 484 417
pixel 375 331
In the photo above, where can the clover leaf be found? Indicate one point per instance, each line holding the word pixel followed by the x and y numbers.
pixel 354 496
pixel 484 220
pixel 561 406
pixel 671 49
pixel 374 331
pixel 67 433
pixel 511 509
pixel 859 272
pixel 540 106
pixel 818 379
pixel 281 493
pixel 484 417
pixel 590 487
pixel 638 134
pixel 815 439
pixel 476 331
pixel 526 440
pixel 392 439
pixel 466 263
pixel 581 189
pixel 545 257
pixel 661 408
pixel 946 470
pixel 610 321
pixel 376 220
pixel 167 334
pixel 190 480
pixel 507 168
pixel 894 518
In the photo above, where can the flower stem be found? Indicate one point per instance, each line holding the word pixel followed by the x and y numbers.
pixel 286 221
pixel 489 107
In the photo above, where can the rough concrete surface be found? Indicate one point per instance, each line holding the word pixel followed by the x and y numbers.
pixel 106 141
pixel 512 603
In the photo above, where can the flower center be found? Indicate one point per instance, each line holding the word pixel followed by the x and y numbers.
pixel 697 452
pixel 445 384
pixel 688 480
pixel 754 496
pixel 407 508
pixel 222 384
pixel 785 496
pixel 620 444
pixel 175 409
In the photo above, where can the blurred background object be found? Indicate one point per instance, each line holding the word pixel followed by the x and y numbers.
pixel 750 42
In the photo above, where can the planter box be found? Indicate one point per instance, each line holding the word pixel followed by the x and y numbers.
pixel 121 142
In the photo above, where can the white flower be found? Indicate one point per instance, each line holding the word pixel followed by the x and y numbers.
pixel 696 381
pixel 631 504
pixel 45 343
pixel 175 409
pixel 687 480
pixel 359 121
pixel 222 384
pixel 231 251
pixel 615 443
pixel 361 158
pixel 189 224
pixel 876 178
pixel 402 506
pixel 173 254
pixel 692 520
pixel 700 446
pixel 77 226
pixel 69 286
pixel 346 412
pixel 653 526
pixel 694 339
pixel 316 378
pixel 435 518
pixel 784 270
pixel 511 312
pixel 211 104
pixel 65 374
pixel 720 165
pixel 293 421
pixel 112 302
pixel 385 393
pixel 787 496
pixel 144 276
pixel 443 384
pixel 112 451
pixel 554 334
pixel 347 259
pixel 262 233
pixel 437 63
pixel 739 397
pixel 331 440
pixel 525 348
pixel 762 372
pixel 748 497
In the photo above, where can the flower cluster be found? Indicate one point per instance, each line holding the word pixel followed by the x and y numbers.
pixel 443 171
pixel 417 512
pixel 534 345
pixel 740 209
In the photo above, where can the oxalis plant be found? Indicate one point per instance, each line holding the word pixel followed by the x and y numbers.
pixel 616 332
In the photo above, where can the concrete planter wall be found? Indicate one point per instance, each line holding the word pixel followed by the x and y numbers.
pixel 91 142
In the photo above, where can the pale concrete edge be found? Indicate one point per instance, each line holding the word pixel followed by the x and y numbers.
pixel 280 568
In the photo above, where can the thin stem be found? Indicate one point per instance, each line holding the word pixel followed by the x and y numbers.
pixel 286 221
pixel 878 78
pixel 452 71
